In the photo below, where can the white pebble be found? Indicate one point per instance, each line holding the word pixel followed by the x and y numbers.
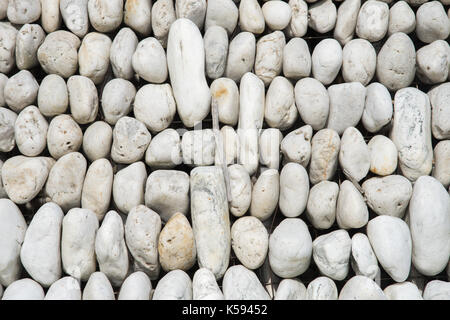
pixel 383 155
pixel 290 289
pixel 98 287
pixel 321 205
pixel 137 286
pixel 83 99
pixel 50 15
pixel 441 170
pixel 128 187
pixel 351 211
pixel 296 59
pixel 361 288
pixel 440 115
pixel 241 190
pixel 322 288
pixel 326 66
pixel 121 53
pixel 401 18
pixel 322 16
pixel 194 10
pixel 241 55
pixel 431 22
pixel 363 260
pixel 313 103
pixel 251 17
pixel 93 56
pixel 325 146
pixel 24 289
pixel 433 62
pixel 7 135
pixel 137 15
pixel 354 154
pixel 75 16
pixel 437 290
pixel 117 99
pixel 105 15
pixel 277 14
pixel 216 50
pixel 378 107
pixel 53 98
pixel 403 291
pixel 23 11
pixel 8 36
pixel 373 20
pixel 198 147
pixel 280 109
pixel 64 135
pixel 205 287
pixel 21 90
pixel 30 131
pixel 358 61
pixel 299 18
pixel 175 285
pixel 97 140
pixel 149 61
pixel 225 95
pixel 163 15
pixel 164 150
pixel 222 13
pixel 269 56
pixel 239 283
pixel 28 40
pixel 66 288
pixel 347 15
pixel 265 193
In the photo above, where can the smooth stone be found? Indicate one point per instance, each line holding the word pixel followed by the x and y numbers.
pixel 322 16
pixel 429 223
pixel 290 289
pixel 351 210
pixel 198 147
pixel 175 285
pixel 325 146
pixel 75 16
pixel 239 283
pixel 431 22
pixel 269 56
pixel 280 109
pixel 98 287
pixel 128 187
pixel 269 148
pixel 154 106
pixel 65 181
pixel 363 260
pixel 230 140
pixel 411 132
pixel 58 53
pixel 3 80
pixel 436 290
pixel 93 56
pixel 21 90
pixel 149 61
pixel 117 99
pixel 24 177
pixel 346 105
pixel 205 287
pixel 136 286
pixel 137 15
pixel 164 150
pixel 97 140
pixel 322 288
pixel 64 135
pixel 194 10
pixel 313 102
pixel 53 98
pixel 187 71
pixel 40 253
pixel 30 131
pixel 359 61
pixel 326 66
pixel 436 69
pixel 79 229
pixel 50 15
pixel 440 115
pixel 210 219
pixel 28 40
pixel 331 253
pixel 441 170
pixel 105 15
pixel 354 154
pixel 402 291
pixel 265 194
pixel 111 249
pixel 296 146
pixel 223 13
pixel 176 245
pixel 251 116
pixel 401 18
pixel 121 53
pixel 83 99
pixel 24 289
pixel 241 190
pixel 378 107
pixel 294 190
pixel 163 15
pixel 250 241
pixel 296 59
pixel 67 288
pixel 290 248
pixel 373 20
pixel 347 16
pixel 8 37
pixel 142 229
pixel 241 55
pixel 396 62
pixel 383 155
pixel 216 50
pixel 321 205
pixel 167 192
pixel 251 16
pixel 13 228
pixel 130 140
pixel 391 241
pixel 225 95
pixel 277 14
pixel 389 195
pixel 361 288
pixel 3 193
pixel 23 11
pixel 299 19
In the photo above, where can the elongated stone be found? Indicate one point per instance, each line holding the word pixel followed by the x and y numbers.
pixel 325 146
pixel 440 115
pixel 265 194
pixel 354 155
pixel 210 219
pixel 7 120
pixel 241 190
pixel 186 71
pixel 363 260
pixel 411 132
pixel 40 254
pixel 269 56
pixel 28 40
pixel 347 15
pixel 13 228
pixel 142 229
pixel 83 99
pixel 121 53
pixel 429 223
pixel 269 148
pixel 294 190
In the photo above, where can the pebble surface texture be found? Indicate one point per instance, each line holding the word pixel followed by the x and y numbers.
pixel 224 149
